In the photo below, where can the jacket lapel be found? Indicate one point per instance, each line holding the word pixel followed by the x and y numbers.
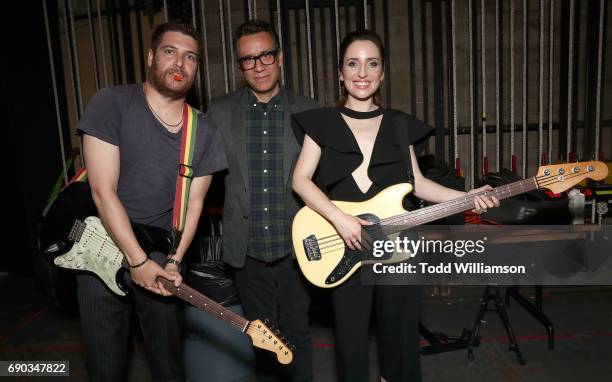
pixel 238 136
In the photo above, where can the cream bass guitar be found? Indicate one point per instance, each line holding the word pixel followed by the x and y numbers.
pixel 327 262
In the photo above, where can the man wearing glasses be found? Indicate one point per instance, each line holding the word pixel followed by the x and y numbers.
pixel 261 149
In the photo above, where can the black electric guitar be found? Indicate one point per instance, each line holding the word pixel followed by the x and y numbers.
pixel 73 237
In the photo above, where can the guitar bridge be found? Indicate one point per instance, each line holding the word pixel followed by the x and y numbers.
pixel 76 231
pixel 311 248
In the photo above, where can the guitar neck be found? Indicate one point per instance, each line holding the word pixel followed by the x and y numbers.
pixel 441 210
pixel 192 296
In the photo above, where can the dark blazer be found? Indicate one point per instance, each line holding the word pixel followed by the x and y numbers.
pixel 227 112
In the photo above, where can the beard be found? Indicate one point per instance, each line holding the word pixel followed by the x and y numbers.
pixel 158 78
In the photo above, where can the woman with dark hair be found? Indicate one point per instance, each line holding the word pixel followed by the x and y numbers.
pixel 356 150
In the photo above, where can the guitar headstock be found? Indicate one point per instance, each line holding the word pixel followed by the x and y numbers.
pixel 560 177
pixel 264 338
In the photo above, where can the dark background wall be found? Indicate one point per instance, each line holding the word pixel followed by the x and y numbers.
pixel 32 150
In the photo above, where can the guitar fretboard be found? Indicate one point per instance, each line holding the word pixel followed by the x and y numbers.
pixel 441 210
pixel 192 296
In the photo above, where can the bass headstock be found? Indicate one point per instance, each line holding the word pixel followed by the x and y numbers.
pixel 561 177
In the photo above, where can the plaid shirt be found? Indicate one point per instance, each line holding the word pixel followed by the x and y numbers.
pixel 268 228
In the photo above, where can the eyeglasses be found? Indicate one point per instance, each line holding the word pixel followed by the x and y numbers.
pixel 266 58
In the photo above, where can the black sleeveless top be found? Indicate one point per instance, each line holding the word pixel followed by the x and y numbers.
pixel 340 153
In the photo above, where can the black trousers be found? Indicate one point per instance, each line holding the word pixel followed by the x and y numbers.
pixel 276 291
pixel 397 310
pixel 106 319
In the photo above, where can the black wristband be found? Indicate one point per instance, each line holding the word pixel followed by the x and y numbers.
pixel 139 264
pixel 170 260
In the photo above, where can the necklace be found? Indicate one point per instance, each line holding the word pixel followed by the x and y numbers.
pixel 157 116
pixel 360 114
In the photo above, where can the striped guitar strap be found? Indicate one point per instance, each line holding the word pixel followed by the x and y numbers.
pixel 185 174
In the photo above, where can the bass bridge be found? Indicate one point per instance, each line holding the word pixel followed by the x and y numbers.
pixel 311 248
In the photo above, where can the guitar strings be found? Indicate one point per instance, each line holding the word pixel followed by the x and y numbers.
pixel 455 202
pixel 237 321
pixel 546 180
pixel 541 181
pixel 211 306
pixel 511 189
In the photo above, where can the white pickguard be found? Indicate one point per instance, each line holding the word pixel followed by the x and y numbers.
pixel 95 252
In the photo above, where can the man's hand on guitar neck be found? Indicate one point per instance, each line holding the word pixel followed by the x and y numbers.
pixel 146 276
pixel 175 271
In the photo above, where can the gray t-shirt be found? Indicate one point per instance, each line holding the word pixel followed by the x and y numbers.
pixel 149 153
